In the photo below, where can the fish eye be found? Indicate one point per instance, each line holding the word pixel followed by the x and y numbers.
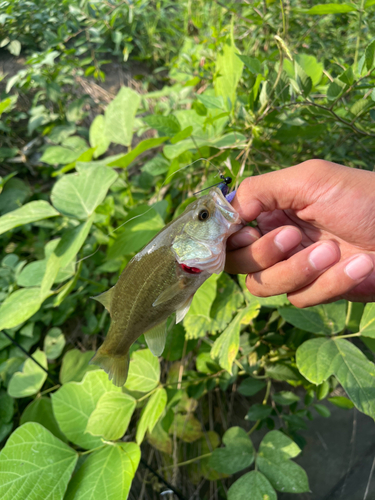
pixel 203 214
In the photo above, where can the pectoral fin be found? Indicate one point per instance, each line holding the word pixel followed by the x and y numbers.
pixel 182 312
pixel 169 293
pixel 105 299
pixel 156 338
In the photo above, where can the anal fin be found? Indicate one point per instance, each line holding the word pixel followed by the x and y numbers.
pixel 105 298
pixel 156 338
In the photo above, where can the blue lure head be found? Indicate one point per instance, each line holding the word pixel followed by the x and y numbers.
pixel 224 186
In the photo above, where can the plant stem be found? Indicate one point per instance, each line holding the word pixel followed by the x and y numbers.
pixel 361 11
pixel 147 395
pixel 358 334
pixel 348 314
pixel 91 451
pixel 187 461
pixel 50 389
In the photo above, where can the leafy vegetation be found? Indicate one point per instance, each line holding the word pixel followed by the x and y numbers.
pixel 240 89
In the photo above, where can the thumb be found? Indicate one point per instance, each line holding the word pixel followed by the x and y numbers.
pixel 291 188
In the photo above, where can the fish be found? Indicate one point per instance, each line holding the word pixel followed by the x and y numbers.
pixel 162 279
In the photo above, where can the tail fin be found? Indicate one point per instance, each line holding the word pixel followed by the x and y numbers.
pixel 116 367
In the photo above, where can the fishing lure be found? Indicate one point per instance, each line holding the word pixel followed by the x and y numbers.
pixel 163 278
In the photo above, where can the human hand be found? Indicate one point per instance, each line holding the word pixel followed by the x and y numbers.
pixel 315 238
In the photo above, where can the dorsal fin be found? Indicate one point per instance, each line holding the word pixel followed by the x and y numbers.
pixel 105 298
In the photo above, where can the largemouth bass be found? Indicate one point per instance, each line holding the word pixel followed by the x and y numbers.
pixel 162 279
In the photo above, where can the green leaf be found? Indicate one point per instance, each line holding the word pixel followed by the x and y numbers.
pixel 75 364
pixel 78 195
pixel 369 55
pixel 211 101
pixel 144 371
pixel 226 347
pixel 369 3
pixel 11 314
pixel 237 454
pixel 303 80
pixel 274 453
pixel 112 415
pixel 198 321
pixel 184 134
pixel 252 485
pixel 119 116
pixel 347 76
pixel 60 155
pixel 330 8
pixel 285 398
pixel 74 402
pixel 14 47
pixel 31 379
pixel 311 67
pixel 140 226
pixel 106 474
pixel 323 410
pixel 251 386
pixel 367 325
pixel 341 402
pixel 98 140
pixel 40 411
pixel 165 125
pixel 281 371
pixel 227 302
pixel 6 407
pixel 32 274
pixel 251 63
pixel 335 89
pixel 151 413
pixel 34 464
pixel 258 412
pixel 54 343
pixel 145 145
pixel 64 253
pixel 228 73
pixel 187 427
pixel 31 212
pixel 324 319
pixel 317 359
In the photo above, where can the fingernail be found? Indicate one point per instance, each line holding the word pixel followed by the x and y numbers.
pixel 287 239
pixel 323 256
pixel 359 267
pixel 243 239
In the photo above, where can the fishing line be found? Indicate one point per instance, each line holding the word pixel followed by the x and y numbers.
pixel 14 341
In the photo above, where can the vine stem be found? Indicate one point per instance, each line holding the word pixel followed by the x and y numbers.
pixel 91 451
pixel 348 314
pixel 264 402
pixel 148 394
pixel 358 334
pixel 361 11
pixel 186 461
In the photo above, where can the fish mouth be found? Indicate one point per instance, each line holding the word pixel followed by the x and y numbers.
pixel 225 208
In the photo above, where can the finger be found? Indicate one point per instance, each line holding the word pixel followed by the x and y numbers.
pixel 291 188
pixel 335 282
pixel 265 252
pixel 297 272
pixel 243 238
